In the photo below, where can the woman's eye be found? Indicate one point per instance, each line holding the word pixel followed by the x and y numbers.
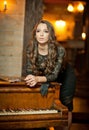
pixel 37 30
pixel 46 31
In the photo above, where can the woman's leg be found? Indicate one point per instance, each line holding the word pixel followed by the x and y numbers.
pixel 67 91
pixel 64 128
pixel 69 119
pixel 69 122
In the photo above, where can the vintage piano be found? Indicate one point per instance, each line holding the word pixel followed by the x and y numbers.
pixel 22 107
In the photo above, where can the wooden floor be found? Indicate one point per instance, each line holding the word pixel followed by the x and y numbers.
pixel 80 126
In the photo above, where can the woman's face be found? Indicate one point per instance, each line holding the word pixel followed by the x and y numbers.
pixel 42 33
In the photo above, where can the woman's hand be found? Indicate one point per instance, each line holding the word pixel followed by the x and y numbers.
pixel 31 80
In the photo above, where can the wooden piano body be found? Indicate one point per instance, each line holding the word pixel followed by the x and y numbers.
pixel 17 97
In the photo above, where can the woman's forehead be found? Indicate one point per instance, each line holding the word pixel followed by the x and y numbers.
pixel 42 25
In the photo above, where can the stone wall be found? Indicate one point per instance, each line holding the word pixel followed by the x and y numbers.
pixel 11 38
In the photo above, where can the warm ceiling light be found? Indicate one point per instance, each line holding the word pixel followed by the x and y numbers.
pixel 80 7
pixel 70 8
pixel 76 6
pixel 60 23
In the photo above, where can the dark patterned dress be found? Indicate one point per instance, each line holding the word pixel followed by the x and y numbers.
pixel 41 59
pixel 66 78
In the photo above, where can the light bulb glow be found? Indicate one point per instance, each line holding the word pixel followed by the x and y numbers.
pixel 70 8
pixel 80 7
pixel 60 23
pixel 5 5
pixel 83 36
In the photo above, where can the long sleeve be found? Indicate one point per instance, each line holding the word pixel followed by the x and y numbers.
pixel 53 75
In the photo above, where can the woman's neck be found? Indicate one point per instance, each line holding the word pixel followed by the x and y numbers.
pixel 43 49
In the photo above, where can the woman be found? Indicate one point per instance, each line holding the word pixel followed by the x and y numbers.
pixel 44 58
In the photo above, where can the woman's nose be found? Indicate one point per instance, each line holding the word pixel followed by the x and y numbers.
pixel 41 33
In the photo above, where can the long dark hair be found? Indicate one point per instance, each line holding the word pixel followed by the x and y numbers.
pixel 52 50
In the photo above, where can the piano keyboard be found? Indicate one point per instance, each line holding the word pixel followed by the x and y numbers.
pixel 24 112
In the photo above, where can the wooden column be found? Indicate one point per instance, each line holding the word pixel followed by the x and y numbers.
pixel 33 13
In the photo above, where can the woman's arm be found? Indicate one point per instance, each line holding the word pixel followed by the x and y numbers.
pixel 31 79
pixel 41 79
